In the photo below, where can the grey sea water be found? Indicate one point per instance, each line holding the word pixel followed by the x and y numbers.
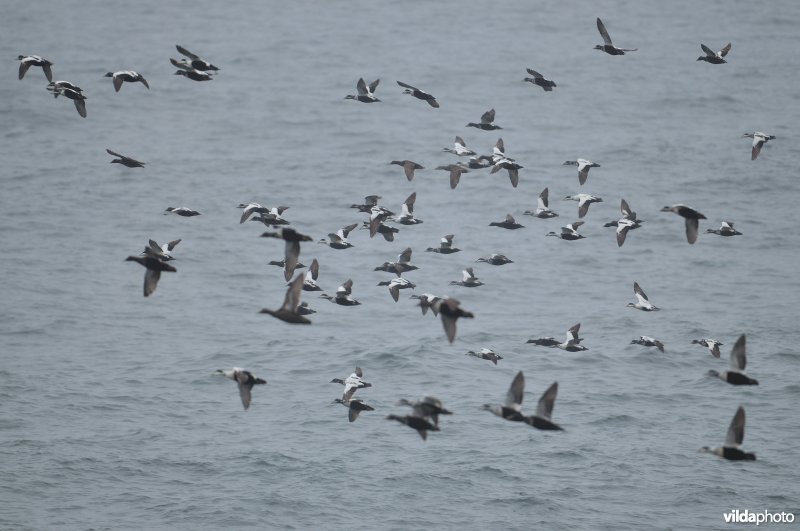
pixel 110 417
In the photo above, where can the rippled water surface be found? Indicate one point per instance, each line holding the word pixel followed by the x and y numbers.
pixel 110 417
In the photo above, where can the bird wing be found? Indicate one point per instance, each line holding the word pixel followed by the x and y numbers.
pixel 117 82
pixel 80 106
pixel 544 408
pixel 186 52
pixel 171 245
pixel 394 291
pixel 151 277
pixel 361 86
pixel 583 207
pixel 692 225
pixel 515 392
pixel 244 389
pixel 637 290
pixel 347 286
pixel 346 230
pixel 313 269
pixel 583 173
pixel 622 232
pixel 292 299
pixel 738 355
pixel 405 85
pixel 408 168
pixel 735 434
pixel 23 67
pixel 374 85
pixel 708 51
pixel 624 208
pixel 723 52
pixel 543 198
pixel 455 175
pixel 534 73
pixel 291 254
pixel 405 256
pixel 487 117
pixel 603 32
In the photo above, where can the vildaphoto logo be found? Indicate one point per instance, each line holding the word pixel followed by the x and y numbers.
pixel 763 517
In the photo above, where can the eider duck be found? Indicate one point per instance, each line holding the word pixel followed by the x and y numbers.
pixel 343 297
pixel 409 166
pixel 195 75
pixel 487 122
pixel 288 311
pixel 396 284
pixel 469 280
pixel 501 162
pixel 642 302
pixel 310 280
pixel 607 46
pixel 27 61
pixel 733 440
pixel 429 407
pixel 125 161
pixel 455 173
pixel 126 75
pixel 422 425
pixel 399 267
pixel 407 211
pixel 427 302
pixel 370 201
pixel 194 61
pixel 272 216
pixel 352 384
pixel 480 163
pixel 249 209
pixel 538 79
pixel 245 380
pixel 568 232
pixel 508 223
pixel 181 211
pixel 725 229
pixel 542 419
pixel 161 252
pixel 486 354
pixel 584 200
pixel 572 342
pixel 496 259
pixel 449 309
pixel 460 148
pixel 735 375
pixel 542 210
pixel 419 94
pixel 691 216
pixel 354 407
pixel 759 139
pixel 711 344
pixel 623 226
pixel 56 87
pixel 338 239
pixel 583 168
pixel 544 341
pixel 154 268
pixel 365 93
pixel 511 409
pixel 646 341
pixel 445 246
pixel 627 213
pixel 715 58
pixel 292 249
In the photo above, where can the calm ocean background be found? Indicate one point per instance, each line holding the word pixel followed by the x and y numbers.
pixel 110 417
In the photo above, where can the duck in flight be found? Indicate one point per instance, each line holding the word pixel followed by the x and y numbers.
pixel 352 383
pixel 642 303
pixel 711 344
pixel 735 374
pixel 192 62
pixel 486 123
pixel 407 211
pixel 154 268
pixel 343 297
pixel 542 207
pixel 715 58
pixel 419 94
pixel 469 280
pixel 508 223
pixel 421 424
pixel 486 354
pixel 125 161
pixel 733 440
pixel 409 166
pixel 539 80
pixel 399 267
pixel 312 274
pixel 365 93
pixel 691 216
pixel 126 75
pixel 338 239
pixel 244 380
pixel 27 61
pixel 429 408
pixel 194 75
pixel 583 168
pixel 455 173
pixel 161 252
pixel 759 139
pixel 181 211
pixel 396 284
pixel 460 148
pixel 607 45
pixel 584 200
pixel 292 249
pixel 449 310
pixel 568 232
pixel 725 229
pixel 496 259
pixel 288 311
pixel 647 341
pixel 445 246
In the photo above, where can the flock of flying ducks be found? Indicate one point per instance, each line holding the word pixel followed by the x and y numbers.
pixel 424 416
